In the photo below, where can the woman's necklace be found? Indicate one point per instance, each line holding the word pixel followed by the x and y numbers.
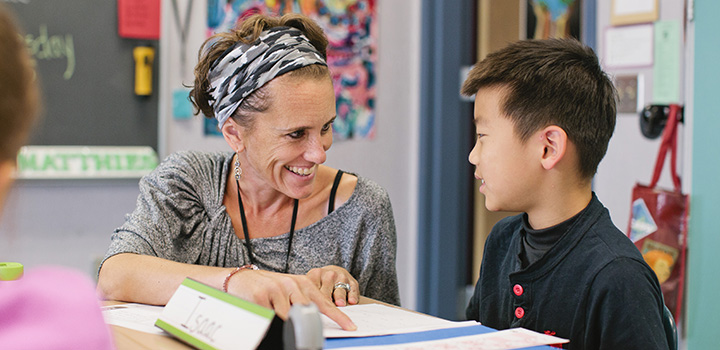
pixel 248 244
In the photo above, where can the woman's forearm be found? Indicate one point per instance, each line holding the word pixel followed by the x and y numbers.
pixel 151 280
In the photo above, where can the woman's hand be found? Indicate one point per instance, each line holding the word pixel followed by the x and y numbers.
pixel 325 278
pixel 279 292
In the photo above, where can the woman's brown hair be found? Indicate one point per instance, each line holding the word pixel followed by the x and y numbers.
pixel 247 32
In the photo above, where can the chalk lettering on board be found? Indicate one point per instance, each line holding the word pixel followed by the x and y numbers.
pixel 51 47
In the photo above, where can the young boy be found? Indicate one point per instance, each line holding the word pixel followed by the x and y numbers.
pixel 544 114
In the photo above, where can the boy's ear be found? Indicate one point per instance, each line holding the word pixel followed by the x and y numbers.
pixel 554 141
pixel 233 134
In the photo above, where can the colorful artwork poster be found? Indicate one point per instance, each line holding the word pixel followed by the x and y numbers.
pixel 553 19
pixel 351 29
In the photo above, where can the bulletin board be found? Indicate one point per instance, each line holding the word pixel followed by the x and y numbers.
pixel 86 73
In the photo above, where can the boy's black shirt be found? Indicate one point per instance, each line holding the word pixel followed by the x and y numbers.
pixel 592 287
pixel 535 243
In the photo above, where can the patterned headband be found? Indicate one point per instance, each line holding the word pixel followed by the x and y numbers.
pixel 244 68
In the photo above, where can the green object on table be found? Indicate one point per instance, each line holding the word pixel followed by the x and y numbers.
pixel 10 271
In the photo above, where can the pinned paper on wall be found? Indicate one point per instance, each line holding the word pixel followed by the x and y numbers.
pixel 633 11
pixel 666 71
pixel 553 19
pixel 139 19
pixel 629 46
pixel 629 88
pixel 181 105
pixel 210 127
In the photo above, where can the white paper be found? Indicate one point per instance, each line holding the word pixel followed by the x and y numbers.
pixel 371 319
pixel 630 46
pixel 506 339
pixel 377 319
pixel 632 7
pixel 139 317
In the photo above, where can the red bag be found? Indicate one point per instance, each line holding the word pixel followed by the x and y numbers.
pixel 658 221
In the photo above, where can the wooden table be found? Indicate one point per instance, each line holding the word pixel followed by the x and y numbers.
pixel 127 339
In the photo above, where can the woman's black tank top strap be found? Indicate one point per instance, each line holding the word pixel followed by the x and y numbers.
pixel 333 191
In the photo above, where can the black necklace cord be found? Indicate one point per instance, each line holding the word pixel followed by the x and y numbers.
pixel 292 233
pixel 246 234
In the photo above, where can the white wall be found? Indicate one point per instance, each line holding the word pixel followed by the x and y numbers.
pixel 63 222
pixel 631 157
pixel 176 135
pixel 391 158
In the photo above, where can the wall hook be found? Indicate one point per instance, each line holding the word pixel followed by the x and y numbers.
pixel 653 119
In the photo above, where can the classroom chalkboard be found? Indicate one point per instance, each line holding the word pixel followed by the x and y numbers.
pixel 87 75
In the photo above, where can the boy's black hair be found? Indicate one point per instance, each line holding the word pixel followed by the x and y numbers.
pixel 553 82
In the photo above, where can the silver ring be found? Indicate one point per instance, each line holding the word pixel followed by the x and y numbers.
pixel 342 285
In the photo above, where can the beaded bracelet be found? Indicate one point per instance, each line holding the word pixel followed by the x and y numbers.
pixel 237 269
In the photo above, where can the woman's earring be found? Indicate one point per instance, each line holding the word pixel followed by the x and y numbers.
pixel 238 169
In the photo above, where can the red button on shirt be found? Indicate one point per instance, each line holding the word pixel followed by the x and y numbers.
pixel 518 289
pixel 519 312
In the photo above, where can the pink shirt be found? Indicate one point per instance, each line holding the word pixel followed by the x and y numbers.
pixel 52 308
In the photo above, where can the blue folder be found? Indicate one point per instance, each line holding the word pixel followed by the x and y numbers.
pixel 394 339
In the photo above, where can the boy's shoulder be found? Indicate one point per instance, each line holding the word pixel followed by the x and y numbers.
pixel 603 233
pixel 594 243
pixel 504 230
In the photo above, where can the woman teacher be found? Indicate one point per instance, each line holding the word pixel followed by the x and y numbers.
pixel 266 222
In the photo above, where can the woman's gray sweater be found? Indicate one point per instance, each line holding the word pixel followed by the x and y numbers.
pixel 180 216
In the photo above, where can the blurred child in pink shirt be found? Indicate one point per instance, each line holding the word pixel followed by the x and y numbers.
pixel 48 307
